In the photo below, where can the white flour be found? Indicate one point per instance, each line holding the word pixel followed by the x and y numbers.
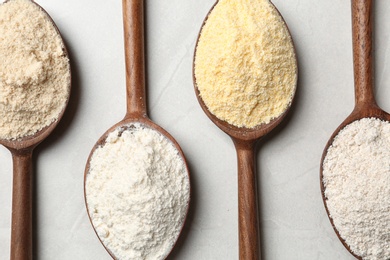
pixel 356 175
pixel 137 192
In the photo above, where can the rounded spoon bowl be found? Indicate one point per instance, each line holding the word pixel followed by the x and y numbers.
pixel 365 104
pixel 22 193
pixel 133 23
pixel 245 140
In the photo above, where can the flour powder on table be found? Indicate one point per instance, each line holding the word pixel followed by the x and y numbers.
pixel 137 192
pixel 356 176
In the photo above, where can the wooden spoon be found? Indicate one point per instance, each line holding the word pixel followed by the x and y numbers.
pixel 22 194
pixel 133 23
pixel 245 141
pixel 365 104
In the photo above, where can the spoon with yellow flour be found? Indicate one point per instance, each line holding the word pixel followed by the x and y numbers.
pixel 245 77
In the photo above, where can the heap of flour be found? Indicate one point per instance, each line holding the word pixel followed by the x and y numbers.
pixel 356 176
pixel 137 191
pixel 245 66
pixel 34 70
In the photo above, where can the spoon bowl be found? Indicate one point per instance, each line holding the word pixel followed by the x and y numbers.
pixel 31 141
pixel 365 104
pixel 245 141
pixel 124 124
pixel 22 194
pixel 133 24
pixel 357 114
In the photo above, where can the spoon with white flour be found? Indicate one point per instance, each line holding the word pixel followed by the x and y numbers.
pixel 136 181
pixel 35 84
pixel 245 76
pixel 354 174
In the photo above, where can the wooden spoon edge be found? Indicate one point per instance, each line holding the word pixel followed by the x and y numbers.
pixel 357 114
pixel 148 123
pixel 29 142
pixel 243 133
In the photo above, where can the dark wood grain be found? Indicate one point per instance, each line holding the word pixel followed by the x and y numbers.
pixel 365 103
pixel 362 52
pixel 247 200
pixel 245 140
pixel 133 25
pixel 22 198
pixel 134 40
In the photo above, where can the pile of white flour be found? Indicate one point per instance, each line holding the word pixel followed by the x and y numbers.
pixel 137 191
pixel 356 175
pixel 34 70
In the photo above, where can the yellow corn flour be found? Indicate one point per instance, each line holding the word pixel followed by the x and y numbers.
pixel 245 65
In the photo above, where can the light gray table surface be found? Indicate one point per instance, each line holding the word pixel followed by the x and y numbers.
pixel 293 219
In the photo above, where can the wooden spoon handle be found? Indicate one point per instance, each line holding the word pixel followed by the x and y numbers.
pixel 362 52
pixel 22 197
pixel 133 24
pixel 247 202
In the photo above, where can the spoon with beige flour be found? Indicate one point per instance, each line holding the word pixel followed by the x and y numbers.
pixel 35 85
pixel 136 180
pixel 245 76
pixel 354 174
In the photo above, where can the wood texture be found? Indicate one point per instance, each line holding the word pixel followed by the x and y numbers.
pixel 133 24
pixel 133 27
pixel 22 200
pixel 362 52
pixel 245 140
pixel 247 200
pixel 365 104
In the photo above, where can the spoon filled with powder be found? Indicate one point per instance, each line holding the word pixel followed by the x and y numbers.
pixel 136 183
pixel 355 175
pixel 245 77
pixel 35 85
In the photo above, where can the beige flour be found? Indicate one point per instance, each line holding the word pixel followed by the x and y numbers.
pixel 34 70
pixel 245 65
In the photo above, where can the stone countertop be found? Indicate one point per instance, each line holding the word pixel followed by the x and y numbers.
pixel 293 219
